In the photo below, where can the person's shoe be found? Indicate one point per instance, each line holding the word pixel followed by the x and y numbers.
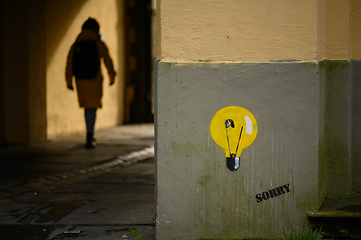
pixel 90 141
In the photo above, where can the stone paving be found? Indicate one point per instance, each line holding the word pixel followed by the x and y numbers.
pixel 60 190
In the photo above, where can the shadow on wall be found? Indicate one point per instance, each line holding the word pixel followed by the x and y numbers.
pixel 58 24
pixel 2 98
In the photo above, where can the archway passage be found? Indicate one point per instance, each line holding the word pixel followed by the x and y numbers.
pixel 139 59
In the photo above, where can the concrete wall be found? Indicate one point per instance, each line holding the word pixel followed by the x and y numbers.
pixel 355 42
pixel 198 197
pixel 64 20
pixel 289 64
pixel 336 114
pixel 356 123
pixel 340 39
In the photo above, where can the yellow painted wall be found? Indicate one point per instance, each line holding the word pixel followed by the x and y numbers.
pixel 64 21
pixel 238 30
pixel 259 31
pixel 339 29
pixel 355 29
pixel 336 29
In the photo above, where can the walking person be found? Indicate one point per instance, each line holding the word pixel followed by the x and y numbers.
pixel 83 62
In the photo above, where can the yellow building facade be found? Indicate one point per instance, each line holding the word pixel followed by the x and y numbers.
pixel 239 31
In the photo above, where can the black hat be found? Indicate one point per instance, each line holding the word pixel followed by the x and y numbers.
pixel 91 24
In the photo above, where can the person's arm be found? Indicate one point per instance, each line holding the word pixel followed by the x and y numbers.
pixel 69 70
pixel 108 62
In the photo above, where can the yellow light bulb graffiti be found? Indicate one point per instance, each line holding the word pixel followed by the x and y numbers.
pixel 233 128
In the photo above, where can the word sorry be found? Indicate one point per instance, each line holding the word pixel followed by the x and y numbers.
pixel 273 193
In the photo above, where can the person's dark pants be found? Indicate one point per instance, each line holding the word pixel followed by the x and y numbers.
pixel 90 115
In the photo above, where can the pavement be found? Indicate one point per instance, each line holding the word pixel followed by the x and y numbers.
pixel 60 190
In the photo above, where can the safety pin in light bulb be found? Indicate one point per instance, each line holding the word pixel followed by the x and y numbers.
pixel 233 128
pixel 233 160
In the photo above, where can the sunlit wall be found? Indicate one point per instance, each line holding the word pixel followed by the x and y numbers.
pixel 64 19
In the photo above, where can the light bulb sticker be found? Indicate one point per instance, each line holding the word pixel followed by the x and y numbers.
pixel 233 129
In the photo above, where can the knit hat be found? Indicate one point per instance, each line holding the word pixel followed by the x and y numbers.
pixel 91 24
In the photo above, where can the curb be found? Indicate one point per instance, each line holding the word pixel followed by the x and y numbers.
pixel 122 160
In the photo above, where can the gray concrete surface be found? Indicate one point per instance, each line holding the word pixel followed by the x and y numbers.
pixel 59 190
pixel 212 201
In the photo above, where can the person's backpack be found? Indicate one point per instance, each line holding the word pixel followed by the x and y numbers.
pixel 86 62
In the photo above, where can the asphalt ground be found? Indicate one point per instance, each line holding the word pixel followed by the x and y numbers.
pixel 60 190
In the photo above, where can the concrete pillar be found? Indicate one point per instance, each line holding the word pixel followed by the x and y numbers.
pixel 265 57
pixel 24 98
pixel 336 127
pixel 356 124
pixel 355 46
pixel 197 195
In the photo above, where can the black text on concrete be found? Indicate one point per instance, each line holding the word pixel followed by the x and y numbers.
pixel 273 193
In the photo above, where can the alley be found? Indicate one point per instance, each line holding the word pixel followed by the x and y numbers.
pixel 97 194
